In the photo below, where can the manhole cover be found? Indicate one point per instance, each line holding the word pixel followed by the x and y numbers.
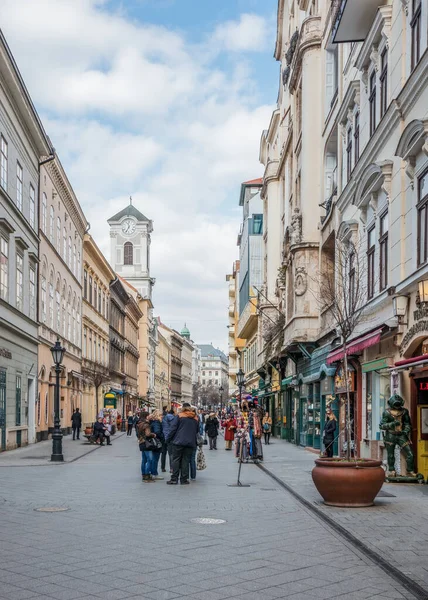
pixel 51 509
pixel 203 521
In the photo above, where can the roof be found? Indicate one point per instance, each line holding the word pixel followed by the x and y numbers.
pixel 129 211
pixel 258 181
pixel 208 350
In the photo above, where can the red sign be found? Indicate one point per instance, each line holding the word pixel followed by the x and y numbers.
pixel 423 386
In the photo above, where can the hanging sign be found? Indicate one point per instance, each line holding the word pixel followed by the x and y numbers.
pixel 110 400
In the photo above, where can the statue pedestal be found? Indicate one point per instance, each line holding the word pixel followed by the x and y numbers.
pixel 405 479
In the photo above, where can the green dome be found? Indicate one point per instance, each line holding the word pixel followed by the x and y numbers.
pixel 185 332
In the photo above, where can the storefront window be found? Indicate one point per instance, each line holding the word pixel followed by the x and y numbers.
pixel 378 392
pixel 369 399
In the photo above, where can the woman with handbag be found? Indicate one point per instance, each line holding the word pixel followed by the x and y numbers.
pixel 155 420
pixel 267 427
pixel 145 437
pixel 211 430
pixel 229 431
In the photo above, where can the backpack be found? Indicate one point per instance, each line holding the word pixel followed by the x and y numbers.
pixel 266 426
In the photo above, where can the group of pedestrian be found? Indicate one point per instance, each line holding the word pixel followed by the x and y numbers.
pixel 175 435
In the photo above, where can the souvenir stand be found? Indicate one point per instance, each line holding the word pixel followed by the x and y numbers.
pixel 248 439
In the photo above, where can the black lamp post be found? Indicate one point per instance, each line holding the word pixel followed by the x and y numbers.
pixel 57 355
pixel 124 385
pixel 240 379
pixel 221 390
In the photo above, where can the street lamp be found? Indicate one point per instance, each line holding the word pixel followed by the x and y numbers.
pixel 57 354
pixel 221 390
pixel 240 379
pixel 123 386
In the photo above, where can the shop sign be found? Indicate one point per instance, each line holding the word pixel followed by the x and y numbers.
pixel 419 327
pixel 109 400
pixel 340 381
pixel 376 365
pixel 5 353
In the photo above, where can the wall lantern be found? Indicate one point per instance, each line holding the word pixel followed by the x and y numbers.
pixel 399 304
pixel 423 291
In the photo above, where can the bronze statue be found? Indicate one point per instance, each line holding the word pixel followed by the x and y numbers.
pixel 397 428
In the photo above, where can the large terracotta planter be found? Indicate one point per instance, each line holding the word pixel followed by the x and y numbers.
pixel 348 484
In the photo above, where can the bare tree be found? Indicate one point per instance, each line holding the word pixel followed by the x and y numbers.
pixel 97 376
pixel 343 292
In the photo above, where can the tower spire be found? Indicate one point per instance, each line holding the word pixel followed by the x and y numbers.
pixel 130 200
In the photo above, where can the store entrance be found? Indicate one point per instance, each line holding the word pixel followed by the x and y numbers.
pixel 422 424
pixel 343 422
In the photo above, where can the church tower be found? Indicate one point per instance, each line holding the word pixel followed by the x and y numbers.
pixel 130 248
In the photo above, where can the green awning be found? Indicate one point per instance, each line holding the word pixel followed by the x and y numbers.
pixel 375 365
pixel 286 381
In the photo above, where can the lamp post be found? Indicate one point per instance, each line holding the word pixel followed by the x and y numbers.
pixel 221 390
pixel 240 379
pixel 123 386
pixel 57 354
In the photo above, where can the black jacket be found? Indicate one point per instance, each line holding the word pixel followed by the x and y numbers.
pixel 156 427
pixel 99 427
pixel 330 428
pixel 183 431
pixel 76 419
pixel 211 427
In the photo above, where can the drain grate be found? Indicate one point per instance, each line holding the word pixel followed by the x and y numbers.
pixel 206 521
pixel 51 509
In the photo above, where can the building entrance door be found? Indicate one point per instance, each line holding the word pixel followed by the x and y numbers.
pixel 2 411
pixel 422 421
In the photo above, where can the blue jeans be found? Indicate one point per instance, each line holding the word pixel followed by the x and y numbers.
pixel 193 464
pixel 146 462
pixel 155 462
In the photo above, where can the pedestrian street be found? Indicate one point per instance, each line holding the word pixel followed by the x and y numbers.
pixel 120 538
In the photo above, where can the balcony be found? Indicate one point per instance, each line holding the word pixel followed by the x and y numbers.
pixel 353 19
pixel 247 323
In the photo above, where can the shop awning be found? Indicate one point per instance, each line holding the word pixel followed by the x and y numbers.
pixel 407 363
pixel 355 346
pixel 354 19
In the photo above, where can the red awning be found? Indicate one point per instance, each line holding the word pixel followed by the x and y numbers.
pixel 411 362
pixel 355 346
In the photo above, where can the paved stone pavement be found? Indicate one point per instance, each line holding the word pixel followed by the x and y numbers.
pixel 40 454
pixel 121 538
pixel 396 527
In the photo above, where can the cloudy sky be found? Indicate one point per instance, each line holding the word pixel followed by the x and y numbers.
pixel 164 100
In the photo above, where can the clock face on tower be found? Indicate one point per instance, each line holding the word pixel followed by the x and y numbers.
pixel 128 226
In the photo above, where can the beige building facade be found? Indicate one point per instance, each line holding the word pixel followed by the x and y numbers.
pixel 62 228
pixel 97 276
pixel 162 370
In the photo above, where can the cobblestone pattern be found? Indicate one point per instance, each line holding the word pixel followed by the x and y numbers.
pixel 396 527
pixel 125 539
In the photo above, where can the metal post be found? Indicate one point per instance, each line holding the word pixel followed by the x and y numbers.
pixel 123 413
pixel 57 455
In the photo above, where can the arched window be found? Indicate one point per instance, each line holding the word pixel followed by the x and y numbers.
pixel 51 300
pixel 128 254
pixel 58 304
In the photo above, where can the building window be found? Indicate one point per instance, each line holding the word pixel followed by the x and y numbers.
pixel 3 163
pixel 32 293
pixel 357 137
pixel 43 287
pixel 257 224
pixel 95 294
pixel 85 284
pixel 19 186
pixel 70 256
pixel 370 262
pixel 64 245
pixel 19 282
pixel 32 207
pixel 18 388
pixel 74 260
pixel 51 224
pixel 128 254
pixel 99 300
pixel 51 302
pixel 349 154
pixel 415 24
pixel 44 212
pixel 4 268
pixel 372 101
pixel 90 289
pixel 104 305
pixel 58 235
pixel 383 83
pixel 383 251
pixel 58 308
pixel 78 266
pixel 84 349
pixel 422 218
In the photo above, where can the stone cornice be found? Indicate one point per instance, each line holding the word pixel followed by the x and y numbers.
pixel 66 192
pixel 352 96
pixel 92 254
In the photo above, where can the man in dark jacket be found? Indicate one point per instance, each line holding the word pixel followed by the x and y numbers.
pixel 100 432
pixel 167 422
pixel 76 423
pixel 182 436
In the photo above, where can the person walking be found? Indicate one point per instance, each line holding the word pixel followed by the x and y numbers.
pixel 329 433
pixel 155 420
pixel 211 429
pixel 76 423
pixel 167 423
pixel 201 418
pixel 130 422
pixel 229 431
pixel 182 436
pixel 267 428
pixel 144 434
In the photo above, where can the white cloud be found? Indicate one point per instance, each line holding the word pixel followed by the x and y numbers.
pixel 250 33
pixel 134 109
